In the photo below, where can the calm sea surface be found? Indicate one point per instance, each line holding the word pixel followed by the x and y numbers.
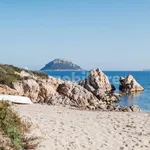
pixel 142 99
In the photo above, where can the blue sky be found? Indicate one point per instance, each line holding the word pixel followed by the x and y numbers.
pixel 110 34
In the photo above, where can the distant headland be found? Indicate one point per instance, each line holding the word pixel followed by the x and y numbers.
pixel 146 70
pixel 61 64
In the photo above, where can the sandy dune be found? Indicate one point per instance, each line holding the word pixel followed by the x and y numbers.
pixel 67 129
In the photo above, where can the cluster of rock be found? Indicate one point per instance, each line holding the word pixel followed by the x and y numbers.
pixel 95 93
pixel 133 108
pixel 36 88
pixel 129 85
pixel 98 84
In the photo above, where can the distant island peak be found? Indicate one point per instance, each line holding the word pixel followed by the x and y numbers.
pixel 61 64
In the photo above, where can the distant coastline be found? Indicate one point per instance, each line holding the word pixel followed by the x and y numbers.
pixel 146 70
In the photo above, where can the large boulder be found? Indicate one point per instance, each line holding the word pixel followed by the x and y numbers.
pixel 4 89
pixel 129 84
pixel 98 80
pixel 79 96
pixel 46 91
pixel 37 89
pixel 29 88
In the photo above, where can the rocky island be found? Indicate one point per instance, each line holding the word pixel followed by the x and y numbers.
pixel 61 64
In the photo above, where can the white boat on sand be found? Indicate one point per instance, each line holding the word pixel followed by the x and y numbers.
pixel 16 99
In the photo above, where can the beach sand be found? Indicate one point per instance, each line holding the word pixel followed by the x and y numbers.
pixel 62 128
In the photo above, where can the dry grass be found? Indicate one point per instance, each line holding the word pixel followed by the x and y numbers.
pixel 13 130
pixel 8 74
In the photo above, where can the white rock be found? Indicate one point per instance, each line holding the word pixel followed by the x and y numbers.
pixel 129 84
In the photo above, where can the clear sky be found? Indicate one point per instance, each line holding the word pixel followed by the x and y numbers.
pixel 110 34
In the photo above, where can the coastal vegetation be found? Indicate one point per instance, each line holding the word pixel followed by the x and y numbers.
pixel 10 74
pixel 13 130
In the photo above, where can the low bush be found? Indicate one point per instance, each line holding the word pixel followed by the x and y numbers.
pixel 12 127
pixel 8 74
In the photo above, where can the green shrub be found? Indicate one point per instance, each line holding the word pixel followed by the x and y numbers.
pixel 2 70
pixel 14 128
pixel 8 74
pixel 16 69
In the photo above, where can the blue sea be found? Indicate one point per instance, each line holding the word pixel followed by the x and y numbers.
pixel 142 99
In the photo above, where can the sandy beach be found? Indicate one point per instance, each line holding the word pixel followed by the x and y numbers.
pixel 62 128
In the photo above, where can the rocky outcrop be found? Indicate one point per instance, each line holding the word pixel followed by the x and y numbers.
pixel 98 84
pixel 4 89
pixel 94 95
pixel 98 80
pixel 56 92
pixel 37 89
pixel 53 91
pixel 129 84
